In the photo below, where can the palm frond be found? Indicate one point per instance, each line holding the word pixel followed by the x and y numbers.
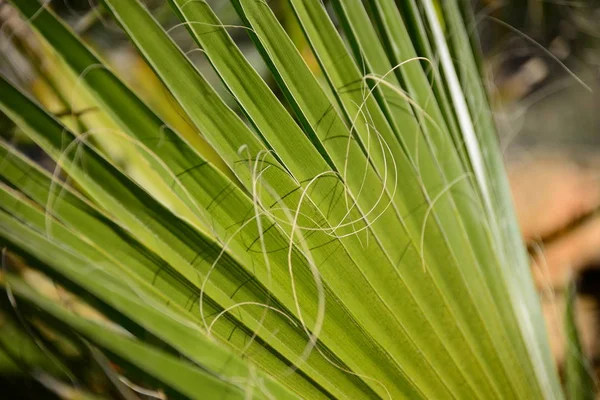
pixel 363 246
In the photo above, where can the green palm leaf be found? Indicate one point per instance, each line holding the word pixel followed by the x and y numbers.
pixel 366 248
